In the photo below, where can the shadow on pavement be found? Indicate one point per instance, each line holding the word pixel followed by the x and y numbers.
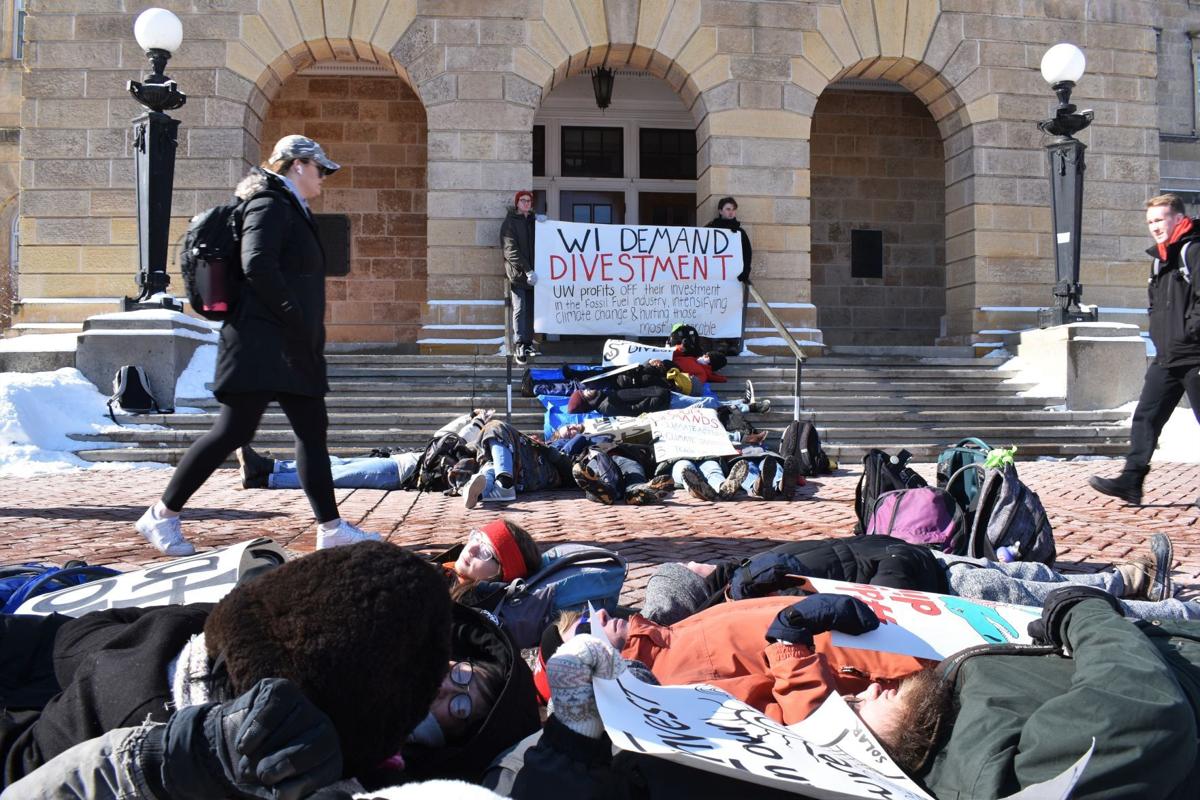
pixel 130 513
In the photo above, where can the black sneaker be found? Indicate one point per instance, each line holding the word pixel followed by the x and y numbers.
pixel 698 486
pixel 592 486
pixel 519 355
pixel 255 469
pixel 748 394
pixel 764 487
pixel 791 477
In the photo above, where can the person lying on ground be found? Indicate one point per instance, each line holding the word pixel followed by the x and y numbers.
pixel 756 473
pixel 389 472
pixel 480 569
pixel 339 653
pixel 610 472
pixel 511 462
pixel 676 591
pixel 706 367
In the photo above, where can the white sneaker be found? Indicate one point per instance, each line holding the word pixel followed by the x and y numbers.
pixel 345 533
pixel 499 494
pixel 474 490
pixel 165 534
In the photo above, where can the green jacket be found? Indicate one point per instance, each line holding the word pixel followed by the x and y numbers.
pixel 1024 718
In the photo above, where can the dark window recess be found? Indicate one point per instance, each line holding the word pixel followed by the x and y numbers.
pixel 539 151
pixel 334 230
pixel 667 153
pixel 593 152
pixel 866 254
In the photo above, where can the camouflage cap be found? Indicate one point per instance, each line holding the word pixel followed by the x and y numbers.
pixel 296 146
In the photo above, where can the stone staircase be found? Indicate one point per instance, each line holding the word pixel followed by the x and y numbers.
pixel 858 401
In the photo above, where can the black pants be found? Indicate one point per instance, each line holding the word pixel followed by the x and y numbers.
pixel 235 427
pixel 1161 392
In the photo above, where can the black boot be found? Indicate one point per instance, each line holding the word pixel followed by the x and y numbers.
pixel 1127 486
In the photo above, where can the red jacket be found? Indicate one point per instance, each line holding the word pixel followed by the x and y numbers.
pixel 692 366
pixel 725 646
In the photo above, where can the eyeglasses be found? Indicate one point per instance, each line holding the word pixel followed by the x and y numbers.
pixel 483 546
pixel 461 673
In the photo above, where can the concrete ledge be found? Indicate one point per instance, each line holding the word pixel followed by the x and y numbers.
pixel 1093 365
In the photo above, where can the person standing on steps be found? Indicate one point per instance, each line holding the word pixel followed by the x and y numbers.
pixel 272 348
pixel 516 238
pixel 1175 331
pixel 727 219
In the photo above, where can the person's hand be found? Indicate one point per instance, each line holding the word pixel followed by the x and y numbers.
pixel 821 613
pixel 531 277
pixel 570 671
pixel 271 742
pixel 1049 629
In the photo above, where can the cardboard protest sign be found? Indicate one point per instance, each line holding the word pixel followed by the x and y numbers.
pixel 636 280
pixel 621 351
pixel 689 433
pixel 202 578
pixel 928 625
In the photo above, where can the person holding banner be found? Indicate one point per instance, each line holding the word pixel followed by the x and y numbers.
pixel 517 241
pixel 727 219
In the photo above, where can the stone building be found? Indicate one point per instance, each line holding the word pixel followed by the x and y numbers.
pixel 831 121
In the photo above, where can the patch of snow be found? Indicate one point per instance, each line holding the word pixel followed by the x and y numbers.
pixel 1049 458
pixel 40 343
pixel 1180 439
pixel 199 372
pixel 999 352
pixel 1096 458
pixel 190 410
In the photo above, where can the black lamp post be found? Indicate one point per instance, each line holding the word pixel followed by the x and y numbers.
pixel 155 136
pixel 602 86
pixel 1062 66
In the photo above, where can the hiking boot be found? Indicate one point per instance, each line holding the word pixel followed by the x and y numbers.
pixel 1148 577
pixel 759 406
pixel 642 494
pixel 343 534
pixel 662 483
pixel 764 487
pixel 255 469
pixel 595 489
pixel 733 482
pixel 698 486
pixel 1127 486
pixel 473 490
pixel 165 533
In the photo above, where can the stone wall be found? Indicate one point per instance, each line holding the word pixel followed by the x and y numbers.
pixel 374 128
pixel 877 164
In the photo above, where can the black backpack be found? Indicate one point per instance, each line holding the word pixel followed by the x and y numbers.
pixel 210 261
pixel 881 473
pixel 131 393
pixel 800 440
pixel 433 468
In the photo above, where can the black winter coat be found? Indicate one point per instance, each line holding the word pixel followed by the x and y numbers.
pixel 747 250
pixel 1174 312
pixel 275 341
pixel 516 238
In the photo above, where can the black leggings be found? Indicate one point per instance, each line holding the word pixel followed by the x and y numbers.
pixel 235 427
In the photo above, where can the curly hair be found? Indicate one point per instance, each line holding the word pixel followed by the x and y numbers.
pixel 363 630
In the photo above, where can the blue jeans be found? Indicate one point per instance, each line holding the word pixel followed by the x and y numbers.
pixel 348 473
pixel 502 458
pixel 709 468
pixel 755 469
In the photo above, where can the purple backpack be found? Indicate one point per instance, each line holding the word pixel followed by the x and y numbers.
pixel 923 515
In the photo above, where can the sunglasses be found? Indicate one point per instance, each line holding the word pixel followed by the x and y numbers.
pixel 322 171
pixel 461 673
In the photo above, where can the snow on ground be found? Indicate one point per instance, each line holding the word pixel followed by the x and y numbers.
pixel 37 412
pixel 1180 439
pixel 192 384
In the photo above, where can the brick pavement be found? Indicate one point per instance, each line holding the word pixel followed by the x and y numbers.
pixel 90 515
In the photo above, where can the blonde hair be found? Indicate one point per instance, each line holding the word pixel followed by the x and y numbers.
pixel 567 620
pixel 1172 200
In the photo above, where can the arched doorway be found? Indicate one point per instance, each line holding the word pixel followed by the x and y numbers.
pixel 372 123
pixel 878 216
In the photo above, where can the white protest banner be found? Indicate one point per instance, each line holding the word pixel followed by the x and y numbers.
pixel 689 433
pixel 928 625
pixel 636 280
pixel 621 351
pixel 202 578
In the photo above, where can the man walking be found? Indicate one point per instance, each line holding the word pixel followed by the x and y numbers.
pixel 1175 331
pixel 516 237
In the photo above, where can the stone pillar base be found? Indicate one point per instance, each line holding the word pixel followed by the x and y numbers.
pixel 159 341
pixel 1094 365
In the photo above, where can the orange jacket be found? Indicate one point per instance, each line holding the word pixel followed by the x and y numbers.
pixel 725 646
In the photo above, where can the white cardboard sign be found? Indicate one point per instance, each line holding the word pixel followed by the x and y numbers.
pixel 689 433
pixel 622 351
pixel 636 280
pixel 202 578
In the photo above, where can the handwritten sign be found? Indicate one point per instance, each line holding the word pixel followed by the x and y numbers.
pixel 636 280
pixel 202 578
pixel 689 433
pixel 929 625
pixel 621 351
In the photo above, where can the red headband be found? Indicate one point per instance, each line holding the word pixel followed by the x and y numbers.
pixel 512 563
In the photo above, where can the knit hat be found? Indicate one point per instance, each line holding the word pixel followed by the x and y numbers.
pixel 523 193
pixel 512 563
pixel 673 593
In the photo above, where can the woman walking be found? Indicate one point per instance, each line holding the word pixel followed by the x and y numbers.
pixel 271 348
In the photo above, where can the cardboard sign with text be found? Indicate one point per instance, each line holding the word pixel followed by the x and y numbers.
pixel 636 280
pixel 621 351
pixel 928 625
pixel 689 433
pixel 202 578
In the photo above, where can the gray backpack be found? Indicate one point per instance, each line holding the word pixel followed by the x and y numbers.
pixel 1009 514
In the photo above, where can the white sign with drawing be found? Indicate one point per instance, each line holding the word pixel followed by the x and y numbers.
pixel 202 578
pixel 636 280
pixel 622 351
pixel 689 433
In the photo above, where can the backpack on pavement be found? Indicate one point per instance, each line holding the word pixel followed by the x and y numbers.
pixel 131 393
pixel 953 459
pixel 20 582
pixel 1009 515
pixel 924 515
pixel 800 440
pixel 210 261
pixel 572 575
pixel 881 473
pixel 433 468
